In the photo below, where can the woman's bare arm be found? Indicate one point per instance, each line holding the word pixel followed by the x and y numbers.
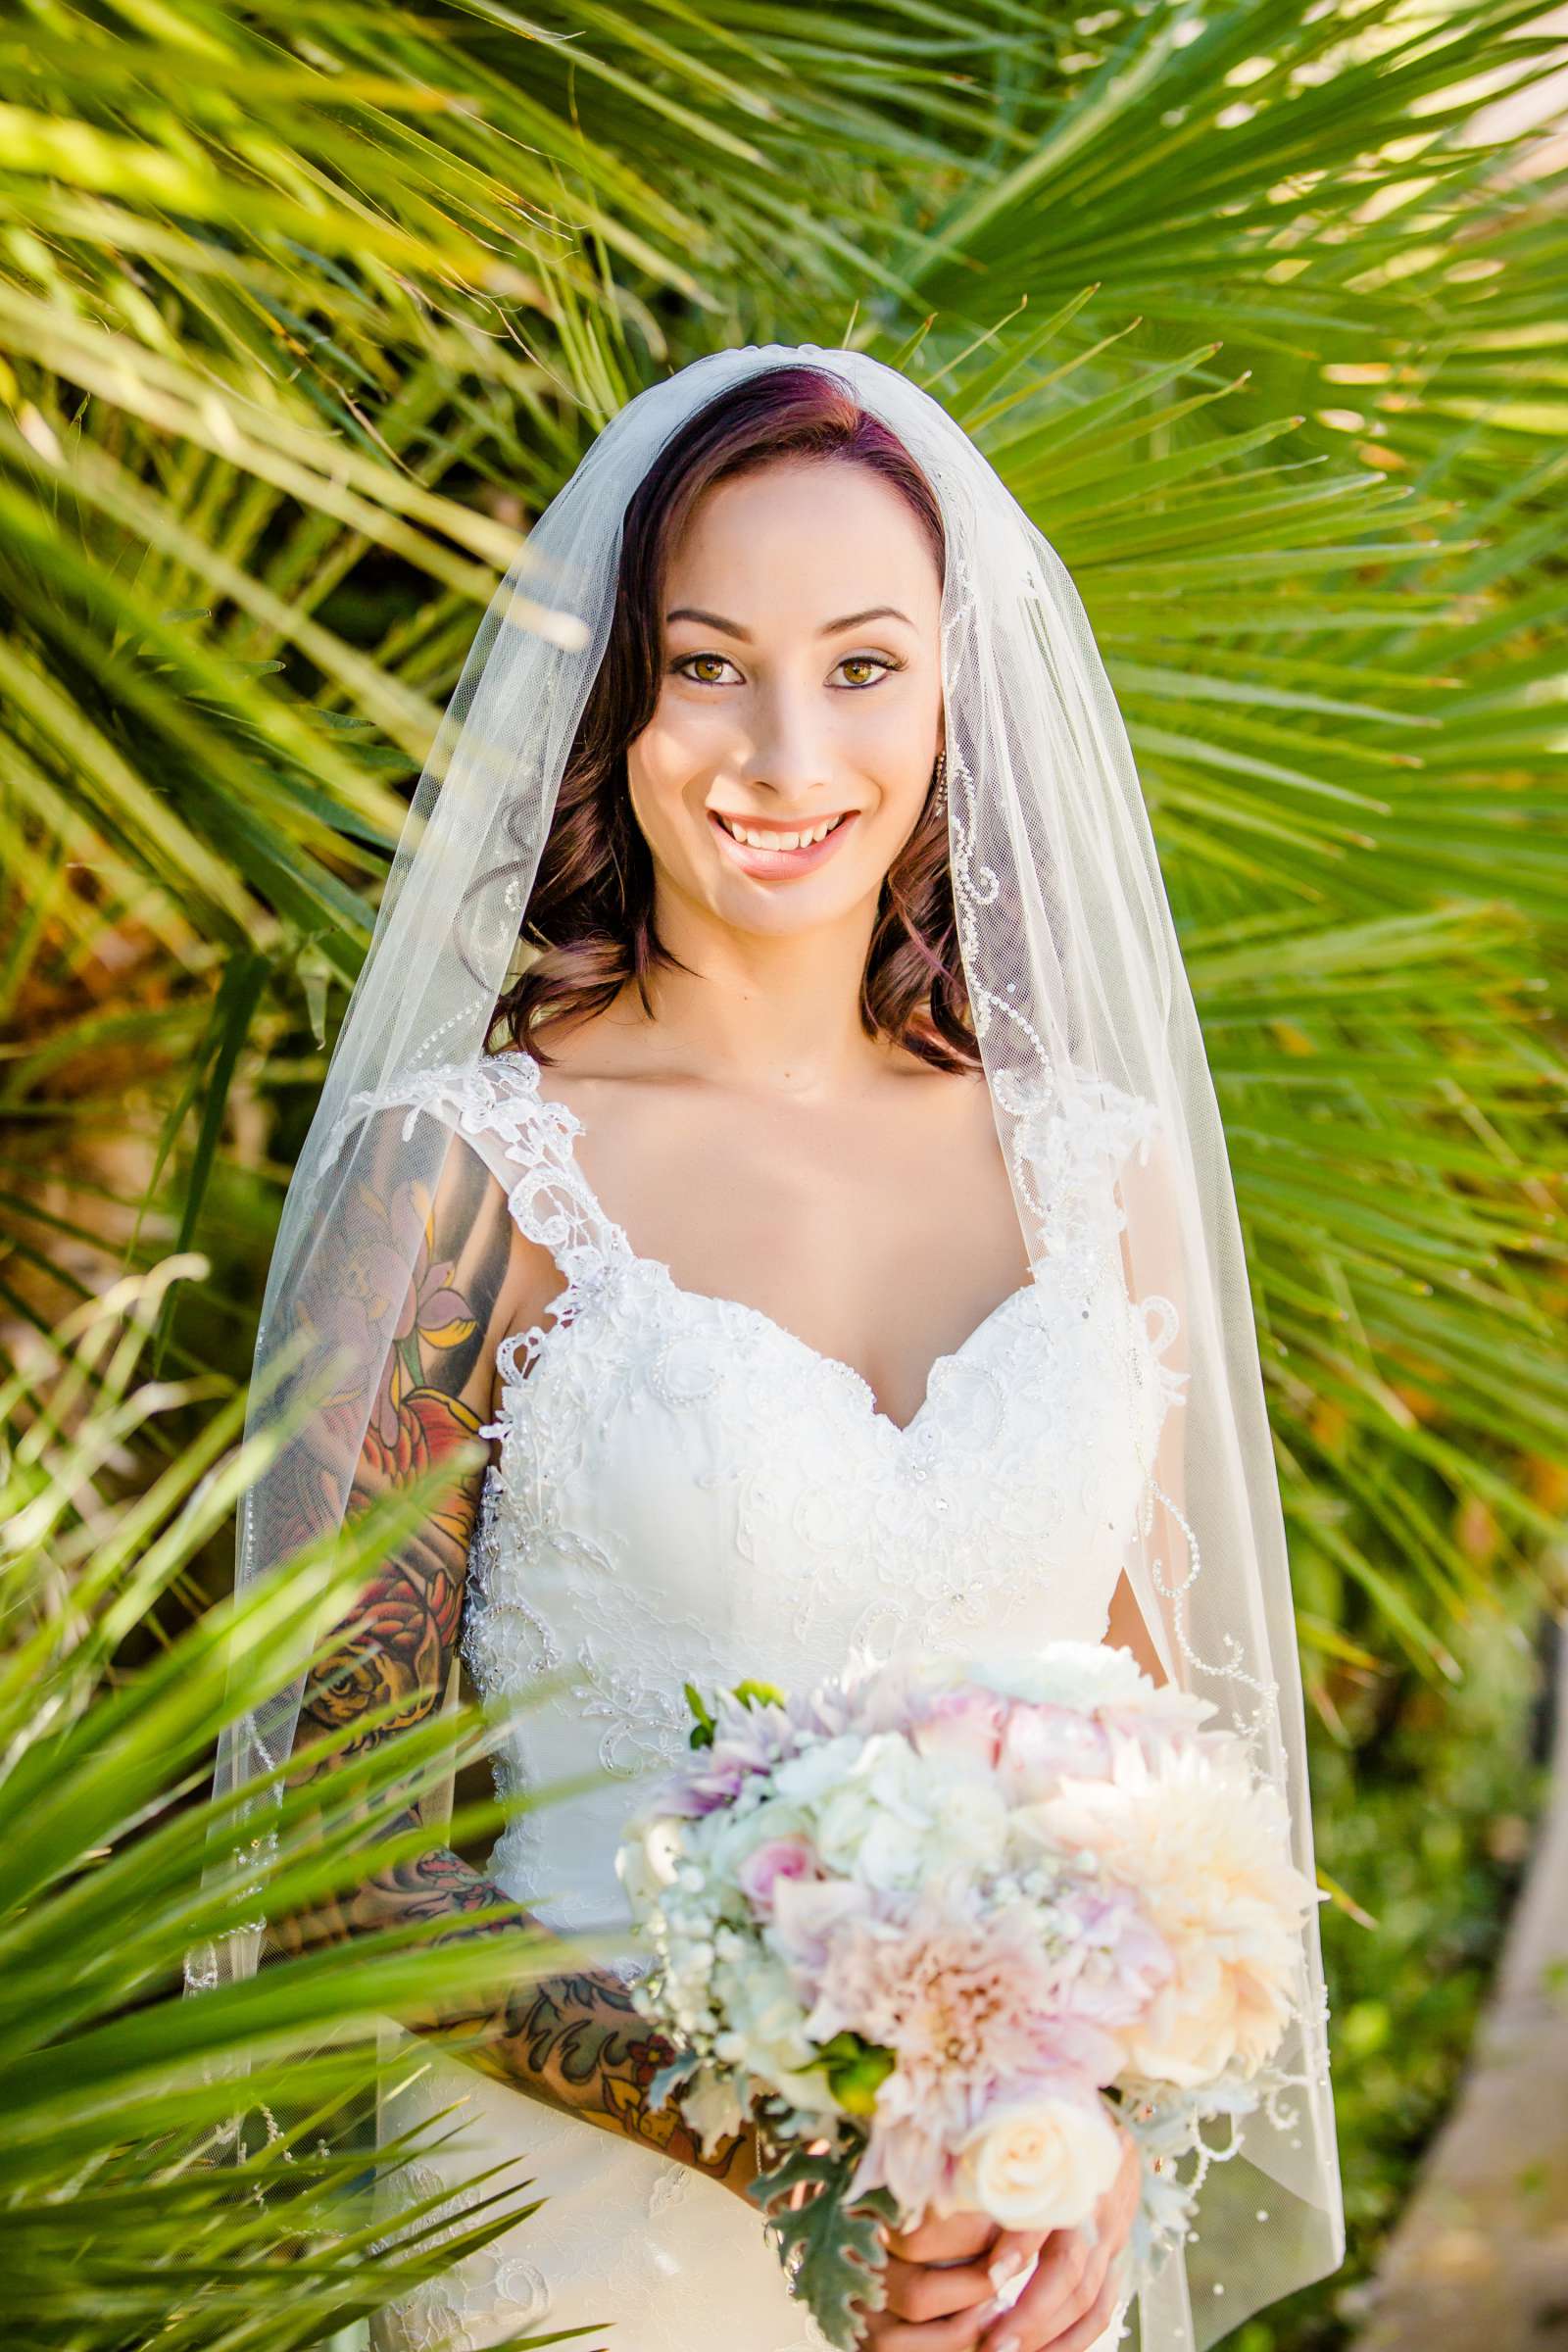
pixel 1152 1265
pixel 1126 1630
pixel 573 2041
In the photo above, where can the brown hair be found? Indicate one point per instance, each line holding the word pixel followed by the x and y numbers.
pixel 591 909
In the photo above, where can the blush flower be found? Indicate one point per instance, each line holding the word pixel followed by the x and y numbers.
pixel 962 1728
pixel 1207 1855
pixel 966 2006
pixel 775 1859
pixel 1040 1742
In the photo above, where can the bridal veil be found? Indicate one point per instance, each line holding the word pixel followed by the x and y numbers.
pixel 1081 1007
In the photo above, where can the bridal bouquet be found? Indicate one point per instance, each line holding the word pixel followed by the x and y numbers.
pixel 942 1930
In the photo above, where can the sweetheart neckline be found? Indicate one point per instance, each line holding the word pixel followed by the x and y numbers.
pixel 620 1241
pixel 819 1357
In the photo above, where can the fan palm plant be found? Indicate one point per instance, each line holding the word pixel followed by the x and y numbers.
pixel 187 2170
pixel 287 388
pixel 310 310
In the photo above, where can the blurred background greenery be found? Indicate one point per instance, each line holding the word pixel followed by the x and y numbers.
pixel 306 312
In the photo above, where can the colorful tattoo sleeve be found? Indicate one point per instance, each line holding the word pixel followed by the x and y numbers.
pixel 573 2041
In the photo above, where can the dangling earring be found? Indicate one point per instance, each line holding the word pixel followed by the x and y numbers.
pixel 938 781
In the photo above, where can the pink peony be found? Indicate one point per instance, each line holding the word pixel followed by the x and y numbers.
pixel 962 1727
pixel 1041 1742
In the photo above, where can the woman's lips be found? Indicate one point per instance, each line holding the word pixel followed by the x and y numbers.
pixel 772 864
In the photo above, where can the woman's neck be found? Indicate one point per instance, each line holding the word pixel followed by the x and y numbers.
pixel 765 1015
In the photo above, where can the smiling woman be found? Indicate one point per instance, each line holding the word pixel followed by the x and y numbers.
pixel 852 990
pixel 743 695
pixel 788 751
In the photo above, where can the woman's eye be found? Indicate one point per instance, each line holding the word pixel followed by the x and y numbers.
pixel 863 661
pixel 702 669
pixel 686 667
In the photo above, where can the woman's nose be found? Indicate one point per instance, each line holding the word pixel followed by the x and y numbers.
pixel 790 748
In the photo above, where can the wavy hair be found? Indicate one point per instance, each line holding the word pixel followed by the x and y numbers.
pixel 590 914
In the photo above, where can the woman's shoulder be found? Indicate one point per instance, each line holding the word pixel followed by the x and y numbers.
pixel 488 1094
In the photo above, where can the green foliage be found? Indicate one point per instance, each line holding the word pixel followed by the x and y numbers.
pixel 856 2071
pixel 281 404
pixel 832 2249
pixel 1260 324
pixel 149 2190
pixel 752 1693
pixel 1424 1808
pixel 1427 1817
pixel 701 1734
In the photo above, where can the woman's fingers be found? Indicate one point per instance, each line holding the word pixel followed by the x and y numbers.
pixel 1076 2323
pixel 1092 2323
pixel 942 2302
pixel 958 2334
pixel 1121 2205
pixel 919 2290
pixel 944 2277
pixel 1043 2307
pixel 953 2237
pixel 1077 2276
pixel 1014 2252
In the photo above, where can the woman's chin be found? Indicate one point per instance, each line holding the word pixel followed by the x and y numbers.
pixel 782 915
pixel 841 893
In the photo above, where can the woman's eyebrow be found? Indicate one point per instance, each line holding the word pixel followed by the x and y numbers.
pixel 732 628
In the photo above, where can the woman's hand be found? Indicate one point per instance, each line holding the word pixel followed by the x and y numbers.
pixel 942 2278
pixel 1077 2284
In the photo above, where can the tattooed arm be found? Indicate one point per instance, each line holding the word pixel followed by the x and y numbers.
pixel 573 2041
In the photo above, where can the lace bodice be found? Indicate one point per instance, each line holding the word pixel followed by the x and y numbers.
pixel 683 1489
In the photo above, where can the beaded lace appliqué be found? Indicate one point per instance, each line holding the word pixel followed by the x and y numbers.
pixel 904 1513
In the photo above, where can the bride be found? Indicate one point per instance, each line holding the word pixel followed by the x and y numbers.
pixel 772 1144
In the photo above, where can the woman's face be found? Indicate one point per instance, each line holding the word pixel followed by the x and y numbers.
pixel 800 702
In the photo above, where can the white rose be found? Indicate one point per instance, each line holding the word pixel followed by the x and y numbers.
pixel 1040 2162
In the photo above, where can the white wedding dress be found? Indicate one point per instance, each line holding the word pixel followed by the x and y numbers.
pixel 686 1490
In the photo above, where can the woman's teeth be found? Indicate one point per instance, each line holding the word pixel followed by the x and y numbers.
pixel 753 838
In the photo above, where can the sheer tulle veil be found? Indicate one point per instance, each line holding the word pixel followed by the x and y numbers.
pixel 1080 1005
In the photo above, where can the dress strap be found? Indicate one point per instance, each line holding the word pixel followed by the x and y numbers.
pixel 526 1139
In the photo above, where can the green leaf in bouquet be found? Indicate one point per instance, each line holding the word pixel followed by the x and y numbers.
pixel 856 2070
pixel 702 1731
pixel 759 1695
pixel 833 2251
